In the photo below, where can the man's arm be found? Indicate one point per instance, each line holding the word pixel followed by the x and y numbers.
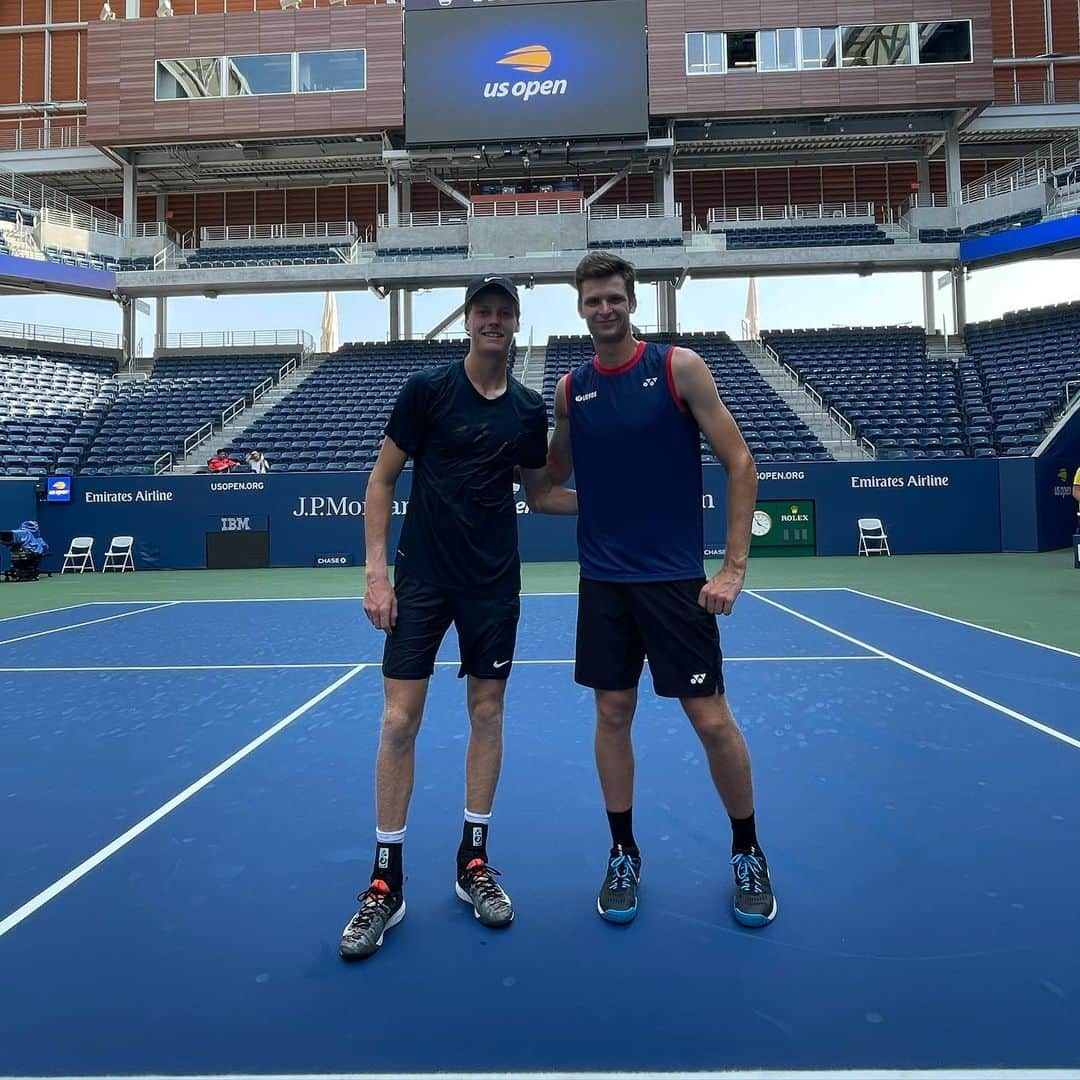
pixel 695 386
pixel 544 490
pixel 380 603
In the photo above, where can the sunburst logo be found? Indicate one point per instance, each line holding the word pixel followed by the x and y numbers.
pixel 530 58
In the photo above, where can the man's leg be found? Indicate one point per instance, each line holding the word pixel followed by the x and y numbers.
pixel 614 748
pixel 408 661
pixel 487 633
pixel 683 644
pixel 725 748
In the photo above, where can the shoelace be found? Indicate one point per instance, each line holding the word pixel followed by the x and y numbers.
pixel 748 872
pixel 621 873
pixel 373 904
pixel 483 884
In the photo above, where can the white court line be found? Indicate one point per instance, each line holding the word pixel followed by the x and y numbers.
pixel 49 611
pixel 989 702
pixel 375 663
pixel 84 868
pixel 734 1074
pixel 89 622
pixel 278 600
pixel 962 622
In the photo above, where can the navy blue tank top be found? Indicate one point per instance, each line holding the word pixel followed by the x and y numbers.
pixel 637 470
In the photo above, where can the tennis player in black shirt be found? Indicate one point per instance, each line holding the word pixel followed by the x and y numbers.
pixel 467 426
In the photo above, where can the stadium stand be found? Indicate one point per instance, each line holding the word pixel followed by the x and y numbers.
pixel 334 420
pixel 50 410
pixel 1015 374
pixel 265 255
pixel 154 416
pixel 789 236
pixel 90 261
pixel 882 382
pixel 407 254
pixel 772 430
pixel 985 228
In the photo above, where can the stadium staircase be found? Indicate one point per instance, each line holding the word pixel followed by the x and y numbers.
pixel 840 444
pixel 196 460
pixel 532 374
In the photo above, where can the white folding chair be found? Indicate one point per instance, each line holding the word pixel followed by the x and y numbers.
pixel 118 557
pixel 79 556
pixel 872 537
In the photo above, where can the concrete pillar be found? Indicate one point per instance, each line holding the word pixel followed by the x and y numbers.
pixel 130 180
pixel 405 196
pixel 394 300
pixel 959 290
pixel 127 334
pixel 929 315
pixel 162 330
pixel 407 314
pixel 666 307
pixel 393 208
pixel 664 188
pixel 922 166
pixel 952 166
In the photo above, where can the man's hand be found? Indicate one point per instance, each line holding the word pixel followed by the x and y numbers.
pixel 718 594
pixel 380 603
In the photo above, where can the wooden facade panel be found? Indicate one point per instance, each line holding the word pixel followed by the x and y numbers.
pixel 33 12
pixel 10 69
pixel 33 68
pixel 331 204
pixel 300 205
pixel 837 184
pixel 180 212
pixel 65 66
pixel 240 208
pixel 63 11
pixel 134 47
pixel 269 207
pixel 1029 27
pixel 1065 26
pixel 1002 28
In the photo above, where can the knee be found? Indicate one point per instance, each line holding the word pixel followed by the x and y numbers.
pixel 614 713
pixel 712 720
pixel 400 726
pixel 486 714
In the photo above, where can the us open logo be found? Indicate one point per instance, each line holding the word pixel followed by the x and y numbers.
pixel 533 59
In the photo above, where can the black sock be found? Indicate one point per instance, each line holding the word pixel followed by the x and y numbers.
pixel 622 830
pixel 744 836
pixel 388 865
pixel 473 844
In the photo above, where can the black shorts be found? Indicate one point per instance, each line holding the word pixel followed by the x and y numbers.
pixel 621 623
pixel 486 625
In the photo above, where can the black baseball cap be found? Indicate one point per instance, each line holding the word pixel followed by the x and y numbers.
pixel 492 281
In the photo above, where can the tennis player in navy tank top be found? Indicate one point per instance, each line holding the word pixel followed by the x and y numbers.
pixel 628 425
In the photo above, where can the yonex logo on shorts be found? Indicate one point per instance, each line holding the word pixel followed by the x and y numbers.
pixel 650 382
pixel 384 858
pixel 697 680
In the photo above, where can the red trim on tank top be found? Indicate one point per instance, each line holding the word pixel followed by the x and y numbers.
pixel 566 387
pixel 639 352
pixel 671 381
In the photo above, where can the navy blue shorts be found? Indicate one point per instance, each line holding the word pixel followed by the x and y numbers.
pixel 621 623
pixel 486 625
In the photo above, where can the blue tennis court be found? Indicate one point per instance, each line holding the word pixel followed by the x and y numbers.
pixel 188 815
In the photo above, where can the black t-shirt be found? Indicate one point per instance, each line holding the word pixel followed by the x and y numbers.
pixel 461 527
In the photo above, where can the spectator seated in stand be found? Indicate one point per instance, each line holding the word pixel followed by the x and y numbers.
pixel 221 462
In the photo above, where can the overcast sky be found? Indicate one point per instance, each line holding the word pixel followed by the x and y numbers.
pixel 783 302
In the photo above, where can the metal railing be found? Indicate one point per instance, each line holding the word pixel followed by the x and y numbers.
pixel 61 334
pixel 233 411
pixel 313 230
pixel 425 218
pixel 93 222
pixel 550 204
pixel 42 133
pixel 263 388
pixel 30 193
pixel 1072 390
pixel 631 211
pixel 1036 168
pixel 164 463
pixel 1056 92
pixel 197 438
pixel 795 212
pixel 224 339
